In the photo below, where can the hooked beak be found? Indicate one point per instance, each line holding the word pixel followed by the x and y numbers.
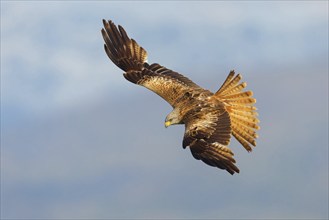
pixel 167 124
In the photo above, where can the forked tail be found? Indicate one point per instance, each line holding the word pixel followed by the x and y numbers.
pixel 240 105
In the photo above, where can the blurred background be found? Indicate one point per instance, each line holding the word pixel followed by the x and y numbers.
pixel 79 141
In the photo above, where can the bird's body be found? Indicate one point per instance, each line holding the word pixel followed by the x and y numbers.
pixel 209 118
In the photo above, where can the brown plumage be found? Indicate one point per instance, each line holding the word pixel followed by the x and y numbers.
pixel 209 118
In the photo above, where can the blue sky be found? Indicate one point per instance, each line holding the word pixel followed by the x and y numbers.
pixel 79 141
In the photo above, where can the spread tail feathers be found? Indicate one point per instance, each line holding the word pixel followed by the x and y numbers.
pixel 123 51
pixel 240 105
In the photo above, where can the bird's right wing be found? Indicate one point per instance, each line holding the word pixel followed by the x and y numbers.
pixel 208 134
pixel 130 57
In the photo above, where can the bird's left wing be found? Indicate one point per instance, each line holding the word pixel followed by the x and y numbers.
pixel 208 134
pixel 166 83
pixel 130 57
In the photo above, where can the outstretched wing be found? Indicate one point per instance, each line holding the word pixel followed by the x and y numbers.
pixel 123 51
pixel 208 134
pixel 130 57
pixel 164 82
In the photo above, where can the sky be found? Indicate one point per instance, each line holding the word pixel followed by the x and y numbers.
pixel 80 141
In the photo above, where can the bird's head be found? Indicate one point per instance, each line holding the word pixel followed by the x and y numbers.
pixel 173 118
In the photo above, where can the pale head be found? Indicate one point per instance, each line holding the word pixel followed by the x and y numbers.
pixel 173 118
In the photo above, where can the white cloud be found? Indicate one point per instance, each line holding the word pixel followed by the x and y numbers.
pixel 59 47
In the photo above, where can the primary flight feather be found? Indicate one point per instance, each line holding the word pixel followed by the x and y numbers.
pixel 209 118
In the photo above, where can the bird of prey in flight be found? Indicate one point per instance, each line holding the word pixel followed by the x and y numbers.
pixel 209 118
